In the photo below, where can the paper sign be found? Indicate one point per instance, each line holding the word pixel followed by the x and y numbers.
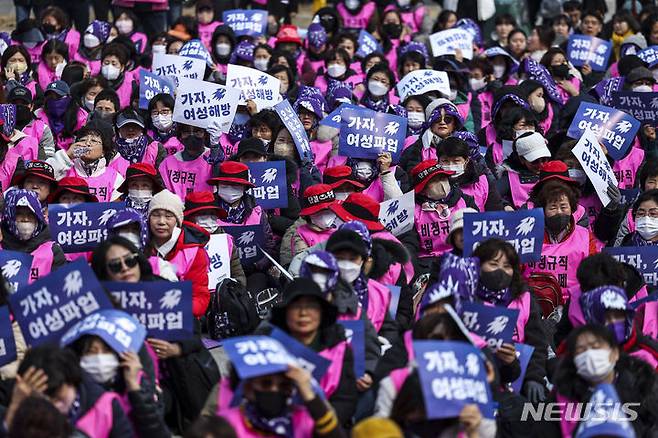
pixel 355 333
pixel 452 375
pixel 177 67
pixel 201 103
pixel 219 266
pixel 421 81
pixel 255 356
pixel 116 328
pixel 397 214
pixel 614 129
pixel 524 229
pixel 649 55
pixel 251 22
pixel 629 196
pixel 81 227
pixel 7 341
pixel 294 126
pixel 642 106
pixel 365 133
pixel 151 85
pixel 271 189
pixel 16 268
pixel 163 307
pixel 247 239
pixel 608 418
pixel 583 49
pixel 448 41
pixel 254 85
pixel 367 44
pixel 307 358
pixel 493 324
pixel 334 118
pixel 642 258
pixel 596 166
pixel 47 308
pixel 523 353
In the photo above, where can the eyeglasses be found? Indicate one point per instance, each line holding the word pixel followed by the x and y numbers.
pixel 115 266
pixel 652 212
pixel 164 112
pixel 90 141
pixel 197 134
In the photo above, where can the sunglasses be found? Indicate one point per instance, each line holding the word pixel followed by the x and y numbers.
pixel 115 266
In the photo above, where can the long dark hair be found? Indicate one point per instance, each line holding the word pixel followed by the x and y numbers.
pixel 490 248
pixel 11 51
pixel 99 258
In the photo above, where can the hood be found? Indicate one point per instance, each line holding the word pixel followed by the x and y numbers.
pixel 130 216
pixel 193 235
pixel 384 254
pixel 22 198
pixel 12 243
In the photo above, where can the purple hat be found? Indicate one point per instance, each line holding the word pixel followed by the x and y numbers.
pixel 15 198
pixel 596 302
pixel 492 52
pixel 472 142
pixel 513 97
pixel 316 36
pixel 311 99
pixel 471 27
pixel 458 278
pixel 539 73
pixel 195 49
pixel 324 260
pixel 129 216
pixel 8 118
pixel 361 229
pixel 244 51
pixel 415 46
pixel 99 29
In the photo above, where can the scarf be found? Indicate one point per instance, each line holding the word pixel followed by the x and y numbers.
pixel 132 151
pixel 235 215
pixel 215 156
pixel 380 105
pixel 141 207
pixel 25 77
pixel 90 168
pixel 162 137
pixel 279 426
pixel 637 240
pixel 497 297
pixel 360 286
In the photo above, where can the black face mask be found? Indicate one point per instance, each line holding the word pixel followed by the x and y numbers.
pixel 271 404
pixel 495 280
pixel 49 28
pixel 392 30
pixel 192 142
pixel 560 71
pixel 557 223
pixel 23 116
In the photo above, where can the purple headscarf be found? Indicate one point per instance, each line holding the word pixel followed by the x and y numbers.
pixel 359 228
pixel 316 36
pixel 100 29
pixel 450 110
pixel 129 216
pixel 15 198
pixel 8 118
pixel 415 46
pixel 243 51
pixel 513 97
pixel 338 93
pixel 596 302
pixel 539 73
pixel 471 27
pixel 458 278
pixel 324 260
pixel 472 142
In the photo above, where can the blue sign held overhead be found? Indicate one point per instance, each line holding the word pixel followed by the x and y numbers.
pixel 116 328
pixel 271 189
pixel 7 341
pixel 524 229
pixel 367 44
pixel 642 258
pixel 295 128
pixel 583 49
pixel 365 133
pixel 334 118
pixel 255 356
pixel 16 268
pixel 649 55
pixel 163 307
pixel 247 238
pixel 81 227
pixel 355 332
pixel 151 85
pixel 493 324
pixel 307 358
pixel 642 106
pixel 251 22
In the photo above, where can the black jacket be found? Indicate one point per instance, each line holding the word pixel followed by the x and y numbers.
pixel 471 176
pixel 287 216
pixel 11 243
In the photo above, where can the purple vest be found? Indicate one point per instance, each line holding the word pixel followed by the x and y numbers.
pixel 183 177
pixel 433 230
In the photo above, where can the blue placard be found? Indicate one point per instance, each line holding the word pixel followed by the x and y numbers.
pixel 150 85
pixel 81 227
pixel 196 49
pixel 523 353
pixel 51 305
pixel 647 299
pixel 247 238
pixel 119 330
pixel 334 118
pixel 307 358
pixel 452 375
pixel 254 356
pixel 583 49
pixel 294 126
pixel 642 258
pixel 365 133
pixel 271 189
pixel 642 106
pixel 355 332
pixel 16 268
pixel 524 229
pixel 163 307
pixel 367 44
pixel 649 55
pixel 615 129
pixel 251 22
pixel 7 341
pixel 608 417
pixel 395 299
pixel 629 196
pixel 492 323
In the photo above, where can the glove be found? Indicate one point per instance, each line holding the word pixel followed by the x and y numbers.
pixel 534 391
pixel 615 197
pixel 215 131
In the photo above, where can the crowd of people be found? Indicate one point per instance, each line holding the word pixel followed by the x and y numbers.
pixel 72 132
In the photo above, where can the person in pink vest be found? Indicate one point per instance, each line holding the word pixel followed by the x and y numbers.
pixel 16 64
pixel 114 62
pixel 307 316
pixel 126 23
pixel 415 106
pixel 88 407
pixel 310 108
pixel 182 244
pixel 132 142
pixel 61 113
pixel 27 122
pixel 356 14
pixel 162 127
pixel 379 81
pixel 317 43
pixel 25 229
pixel 288 41
pixel 541 105
pixel 56 24
pixel 336 68
pixel 592 356
pixel 207 24
pixel 460 93
pixel 647 179
pixel 645 220
pixel 568 85
pixel 436 202
pixel 93 41
pixel 54 56
pixel 222 44
pixel 89 157
pixel 320 219
pixel 141 183
pixel 413 15
pixel 38 177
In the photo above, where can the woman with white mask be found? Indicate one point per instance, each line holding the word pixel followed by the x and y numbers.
pixel 114 61
pixel 126 24
pixel 320 219
pixel 415 106
pixel 336 68
pixel 645 217
pixel 161 122
pixel 540 103
pixel 141 183
pixel 379 81
pixel 222 44
pixel 93 40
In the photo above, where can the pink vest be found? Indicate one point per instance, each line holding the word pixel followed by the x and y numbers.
pixel 567 425
pixel 78 255
pixel 379 298
pixel 93 64
pixel 414 19
pixel 408 267
pixel 119 164
pixel 464 109
pixel 35 52
pixel 97 422
pixel 520 192
pixel 546 123
pixel 102 185
pixel 183 177
pixel 8 167
pixel 225 143
pixel 311 237
pixel 28 148
pixel 140 41
pixel 392 275
pixel 398 376
pixel 303 424
pixel 479 190
pixel 322 152
pixel 42 261
pixel 205 33
pixel 576 83
pixel 72 38
pixel 492 142
pixel 321 82
pixel 592 206
pixel 358 21
pixel 173 145
pixel 626 169
pixel 224 395
pixel 252 219
pixel 562 259
pixel 32 86
pixel 125 90
pixel 35 129
pixel 46 75
pixel 331 378
pixel 183 260
pixel 433 230
pixel 521 303
pixel 486 104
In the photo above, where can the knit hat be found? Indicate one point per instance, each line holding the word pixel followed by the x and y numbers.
pixel 142 170
pixel 232 172
pixel 532 147
pixel 377 427
pixel 433 112
pixel 317 197
pixel 197 202
pixel 72 184
pixel 339 175
pixel 415 46
pixel 360 207
pixel 457 220
pixel 165 200
pixel 424 171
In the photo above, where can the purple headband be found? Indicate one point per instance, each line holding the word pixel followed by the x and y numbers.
pixel 472 142
pixel 450 109
pixel 317 36
pixel 129 216
pixel 415 46
pixel 458 278
pixel 244 51
pixel 596 302
pixel 100 29
pixel 539 73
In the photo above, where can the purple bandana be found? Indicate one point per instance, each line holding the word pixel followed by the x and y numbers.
pixel 539 73
pixel 132 151
pixel 472 142
pixel 8 118
pixel 316 36
pixel 458 278
pixel 471 27
pixel 414 46
pixel 100 29
pixel 596 302
pixel 130 216
pixel 514 98
pixel 15 198
pixel 338 93
pixel 324 260
pixel 244 51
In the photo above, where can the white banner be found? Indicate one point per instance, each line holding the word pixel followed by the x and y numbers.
pixel 590 155
pixel 447 41
pixel 177 67
pixel 254 85
pixel 397 214
pixel 219 267
pixel 421 81
pixel 200 103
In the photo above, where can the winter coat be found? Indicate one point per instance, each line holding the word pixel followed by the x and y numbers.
pixel 12 243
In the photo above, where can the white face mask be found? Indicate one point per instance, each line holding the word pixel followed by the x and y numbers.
pixel 223 49
pixel 323 219
pixel 142 196
pixel 89 104
pixel 404 3
pixel 438 189
pixel 477 84
pixel 594 364
pixel 537 104
pixel 336 70
pixel 578 175
pixel 261 64
pixel 321 280
pixel 159 49
pixel 642 89
pixel 352 4
pixel 457 168
pixel 230 194
pixel 376 88
pixel 349 271
pixel 90 41
pixel 134 238
pixel 101 367
pixel 519 133
pixel 163 122
pixel 110 72
pixel 124 26
pixel 499 71
pixel 207 222
pixel 415 119
pixel 647 227
pixel 363 170
pixel 25 230
pixel 341 196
